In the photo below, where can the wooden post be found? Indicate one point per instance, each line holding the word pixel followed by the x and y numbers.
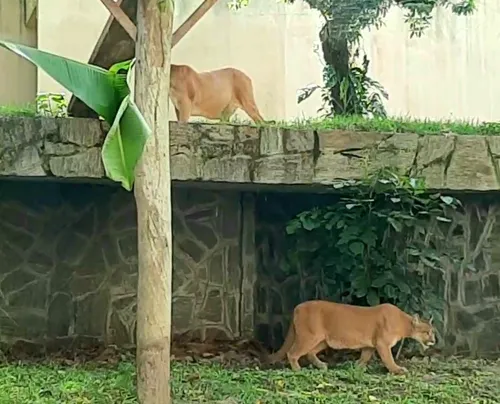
pixel 152 195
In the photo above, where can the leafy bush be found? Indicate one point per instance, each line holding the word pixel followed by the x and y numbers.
pixel 358 94
pixel 376 244
pixel 52 104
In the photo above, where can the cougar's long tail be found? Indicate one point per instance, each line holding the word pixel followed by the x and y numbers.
pixel 285 347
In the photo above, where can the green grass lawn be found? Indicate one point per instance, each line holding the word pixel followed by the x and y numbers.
pixel 452 381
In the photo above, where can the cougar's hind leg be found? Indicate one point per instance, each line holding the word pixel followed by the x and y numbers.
pixel 366 355
pixel 313 358
pixel 246 99
pixel 227 113
pixel 252 111
pixel 303 344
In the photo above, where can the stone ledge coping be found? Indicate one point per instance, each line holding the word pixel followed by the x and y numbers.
pixel 71 148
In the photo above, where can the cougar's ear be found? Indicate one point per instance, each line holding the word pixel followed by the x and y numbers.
pixel 430 320
pixel 415 319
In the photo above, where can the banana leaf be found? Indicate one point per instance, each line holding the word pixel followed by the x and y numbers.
pixel 108 94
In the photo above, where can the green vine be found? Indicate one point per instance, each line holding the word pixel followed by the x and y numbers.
pixel 376 244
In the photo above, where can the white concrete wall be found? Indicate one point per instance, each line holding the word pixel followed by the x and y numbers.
pixel 17 75
pixel 451 72
pixel 69 28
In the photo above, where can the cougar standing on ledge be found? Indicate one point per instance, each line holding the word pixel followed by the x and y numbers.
pixel 214 94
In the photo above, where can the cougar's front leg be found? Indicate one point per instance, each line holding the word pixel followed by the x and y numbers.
pixel 386 355
pixel 183 110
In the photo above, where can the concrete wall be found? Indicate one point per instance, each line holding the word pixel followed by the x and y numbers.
pixel 70 29
pixel 69 266
pixel 18 78
pixel 449 73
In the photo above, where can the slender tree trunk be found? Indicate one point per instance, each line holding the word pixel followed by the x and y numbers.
pixel 152 195
pixel 336 54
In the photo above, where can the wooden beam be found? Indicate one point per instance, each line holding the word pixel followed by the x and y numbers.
pixel 120 16
pixel 191 21
pixel 30 13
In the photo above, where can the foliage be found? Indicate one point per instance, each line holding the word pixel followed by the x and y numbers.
pixel 108 94
pixel 445 382
pixel 376 244
pixel 346 19
pixel 16 110
pixel 359 94
pixel 51 104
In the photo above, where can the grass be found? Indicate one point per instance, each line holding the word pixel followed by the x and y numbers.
pixel 451 381
pixel 26 110
pixel 348 123
pixel 388 125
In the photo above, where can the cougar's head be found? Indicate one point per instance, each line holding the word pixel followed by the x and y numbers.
pixel 423 331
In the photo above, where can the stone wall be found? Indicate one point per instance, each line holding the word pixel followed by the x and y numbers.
pixel 71 147
pixel 68 262
pixel 68 265
pixel 471 285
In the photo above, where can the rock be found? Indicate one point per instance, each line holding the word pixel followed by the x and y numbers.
pixel 71 148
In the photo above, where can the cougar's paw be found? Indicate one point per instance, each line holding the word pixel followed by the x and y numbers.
pixel 400 371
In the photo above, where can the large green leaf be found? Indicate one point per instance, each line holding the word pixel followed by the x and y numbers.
pixel 91 84
pixel 120 72
pixel 124 143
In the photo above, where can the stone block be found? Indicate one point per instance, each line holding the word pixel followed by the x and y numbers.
pixel 86 163
pixel 24 163
pixel 246 141
pixel 182 313
pixel 226 169
pixel 433 158
pixel 60 315
pixel 271 142
pixel 81 131
pixel 471 166
pixel 332 166
pixel 491 287
pixel 298 141
pixel 213 307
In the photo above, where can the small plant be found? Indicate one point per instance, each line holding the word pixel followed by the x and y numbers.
pixel 376 244
pixel 358 94
pixel 51 104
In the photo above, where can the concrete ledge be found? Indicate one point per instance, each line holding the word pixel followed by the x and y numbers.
pixel 70 148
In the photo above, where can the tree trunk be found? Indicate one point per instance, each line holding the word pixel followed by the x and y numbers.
pixel 336 55
pixel 152 195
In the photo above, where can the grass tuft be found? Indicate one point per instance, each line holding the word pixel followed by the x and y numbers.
pixel 444 382
pixel 389 125
pixel 26 110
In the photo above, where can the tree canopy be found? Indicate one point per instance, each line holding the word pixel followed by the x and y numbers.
pixel 347 18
